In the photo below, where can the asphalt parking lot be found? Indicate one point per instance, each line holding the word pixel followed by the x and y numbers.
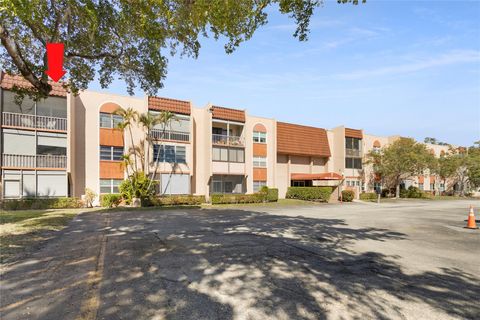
pixel 411 260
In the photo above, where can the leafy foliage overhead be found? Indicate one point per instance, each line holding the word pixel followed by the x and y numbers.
pixel 131 39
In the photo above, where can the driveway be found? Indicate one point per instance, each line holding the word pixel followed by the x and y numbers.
pixel 411 260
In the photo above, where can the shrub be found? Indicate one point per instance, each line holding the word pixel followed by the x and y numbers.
pixel 90 196
pixel 414 192
pixel 41 203
pixel 177 200
pixel 237 198
pixel 272 195
pixel 110 200
pixel 368 196
pixel 310 193
pixel 348 195
pixel 137 186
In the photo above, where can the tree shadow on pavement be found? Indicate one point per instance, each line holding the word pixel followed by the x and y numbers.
pixel 231 264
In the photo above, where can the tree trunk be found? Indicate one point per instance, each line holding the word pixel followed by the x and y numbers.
pixel 397 191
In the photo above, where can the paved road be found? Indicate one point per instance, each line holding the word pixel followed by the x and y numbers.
pixel 410 260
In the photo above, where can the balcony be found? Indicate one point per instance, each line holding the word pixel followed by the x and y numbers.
pixel 169 135
pixel 228 140
pixel 35 122
pixel 34 161
pixel 353 153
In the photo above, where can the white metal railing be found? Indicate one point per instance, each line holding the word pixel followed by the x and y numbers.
pixel 169 135
pixel 32 121
pixel 227 140
pixel 32 161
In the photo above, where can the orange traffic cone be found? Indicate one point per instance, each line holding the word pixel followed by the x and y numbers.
pixel 471 220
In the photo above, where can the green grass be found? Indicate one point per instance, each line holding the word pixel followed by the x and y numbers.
pixel 19 230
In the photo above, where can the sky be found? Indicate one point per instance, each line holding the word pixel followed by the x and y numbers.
pixel 409 68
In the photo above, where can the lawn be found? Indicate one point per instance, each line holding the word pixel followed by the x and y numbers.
pixel 20 230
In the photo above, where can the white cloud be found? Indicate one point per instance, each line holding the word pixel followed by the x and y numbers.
pixel 452 57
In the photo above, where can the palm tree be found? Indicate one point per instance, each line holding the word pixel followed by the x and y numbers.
pixel 126 162
pixel 148 121
pixel 138 151
pixel 130 116
pixel 165 118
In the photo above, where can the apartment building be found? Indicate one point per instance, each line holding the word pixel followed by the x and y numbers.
pixel 63 144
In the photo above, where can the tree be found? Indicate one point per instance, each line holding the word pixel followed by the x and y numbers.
pixel 129 39
pixel 165 118
pixel 473 165
pixel 130 117
pixel 148 122
pixel 402 159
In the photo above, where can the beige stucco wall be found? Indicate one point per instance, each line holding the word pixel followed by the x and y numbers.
pixel 88 104
pixel 270 125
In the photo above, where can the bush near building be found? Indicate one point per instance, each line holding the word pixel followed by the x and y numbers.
pixel 41 203
pixel 110 200
pixel 368 196
pixel 348 195
pixel 270 194
pixel 237 198
pixel 177 200
pixel 321 194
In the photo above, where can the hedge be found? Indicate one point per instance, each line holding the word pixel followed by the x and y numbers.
pixel 310 193
pixel 110 200
pixel 41 203
pixel 348 195
pixel 368 196
pixel 237 198
pixel 270 194
pixel 177 200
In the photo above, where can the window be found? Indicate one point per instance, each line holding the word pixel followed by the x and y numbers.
pixel 353 163
pixel 109 185
pixel 442 187
pixel 377 186
pixel 227 184
pixel 170 153
pixel 298 183
pixel 257 185
pixel 420 186
pixel 108 120
pixel 353 143
pixel 228 154
pixel 111 153
pixel 259 137
pixel 432 186
pixel 260 162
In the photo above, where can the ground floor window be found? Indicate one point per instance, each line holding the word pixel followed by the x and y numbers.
pixel 28 183
pixel 420 186
pixel 432 186
pixel 173 183
pixel 442 187
pixel 301 183
pixel 227 184
pixel 257 185
pixel 109 185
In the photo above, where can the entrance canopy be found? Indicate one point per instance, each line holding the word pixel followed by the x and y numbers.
pixel 316 179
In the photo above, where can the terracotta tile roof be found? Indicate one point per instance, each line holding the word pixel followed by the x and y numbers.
pixel 302 140
pixel 228 114
pixel 316 176
pixel 8 81
pixel 167 104
pixel 353 133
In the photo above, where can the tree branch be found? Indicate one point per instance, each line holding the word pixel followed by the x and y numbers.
pixel 14 51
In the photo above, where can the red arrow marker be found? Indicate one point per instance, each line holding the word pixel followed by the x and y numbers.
pixel 55 61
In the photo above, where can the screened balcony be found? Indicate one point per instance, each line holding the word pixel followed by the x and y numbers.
pixel 158 134
pixel 227 134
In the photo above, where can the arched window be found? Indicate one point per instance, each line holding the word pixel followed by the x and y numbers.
pixel 259 133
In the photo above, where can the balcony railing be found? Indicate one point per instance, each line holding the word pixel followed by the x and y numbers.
pixel 353 153
pixel 169 135
pixel 32 121
pixel 227 140
pixel 34 161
